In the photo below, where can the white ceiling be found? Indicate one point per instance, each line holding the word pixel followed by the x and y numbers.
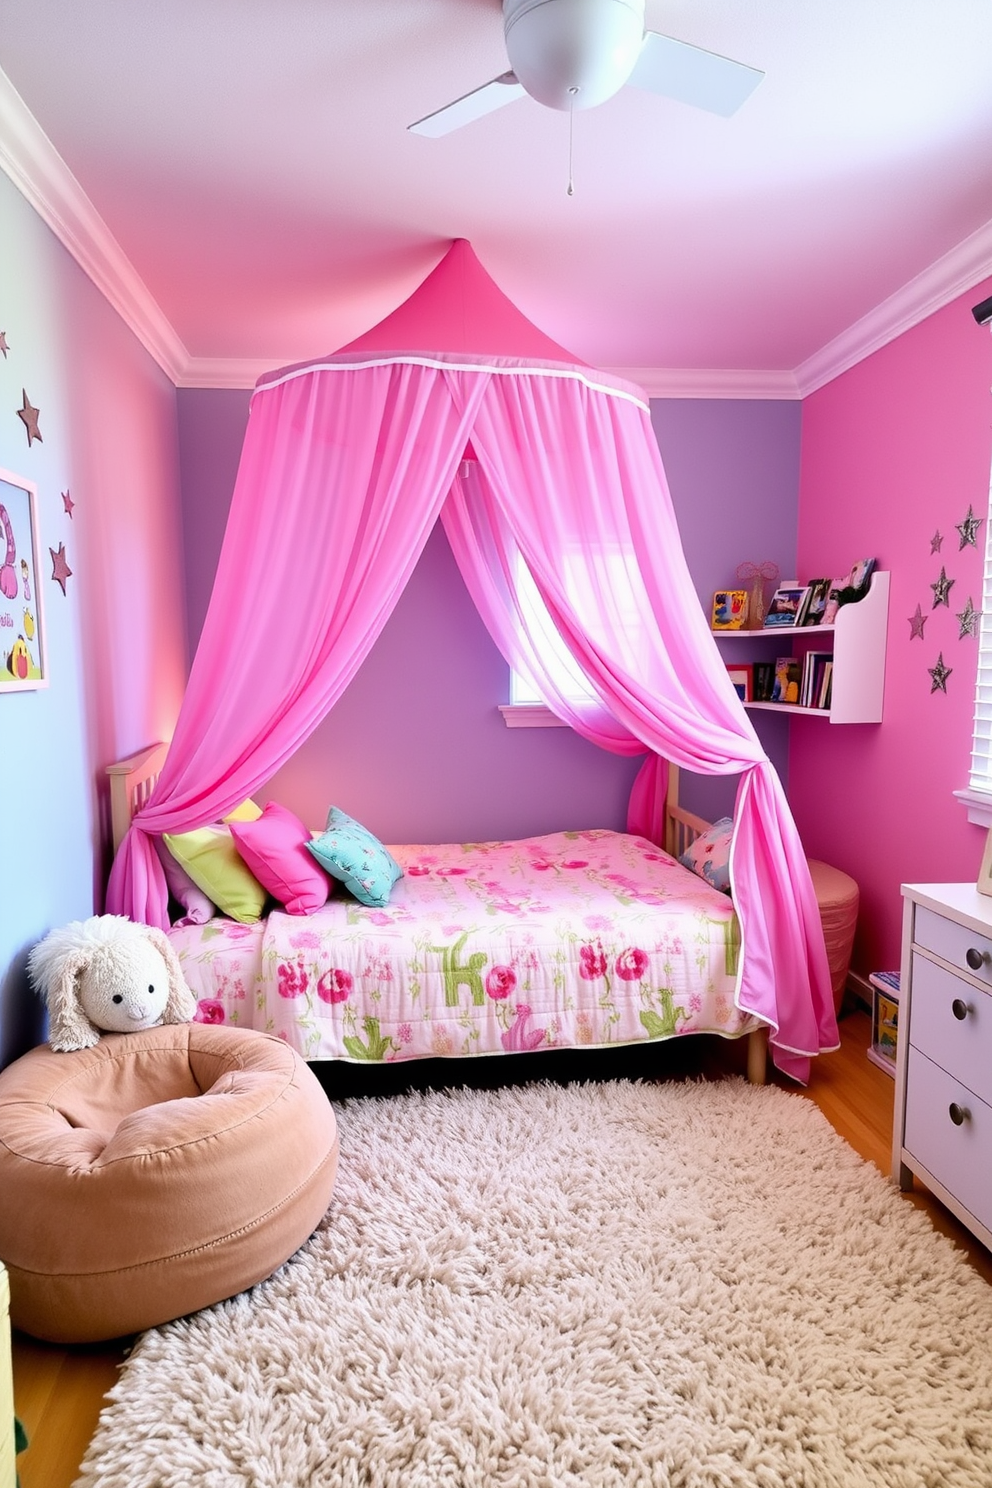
pixel 259 197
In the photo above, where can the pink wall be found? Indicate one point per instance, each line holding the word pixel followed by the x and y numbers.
pixel 893 451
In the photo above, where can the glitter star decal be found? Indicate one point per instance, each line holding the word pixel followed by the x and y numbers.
pixel 67 503
pixel 939 674
pixel 968 621
pixel 60 568
pixel 3 344
pixel 29 416
pixel 916 624
pixel 968 530
pixel 935 542
pixel 941 590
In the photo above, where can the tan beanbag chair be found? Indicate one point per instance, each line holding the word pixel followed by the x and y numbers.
pixel 155 1174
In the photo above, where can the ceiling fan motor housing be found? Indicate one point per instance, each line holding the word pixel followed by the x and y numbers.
pixel 573 53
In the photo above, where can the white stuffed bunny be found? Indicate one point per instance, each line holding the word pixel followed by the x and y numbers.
pixel 107 974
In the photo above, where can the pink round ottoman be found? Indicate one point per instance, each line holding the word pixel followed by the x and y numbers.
pixel 155 1174
pixel 837 895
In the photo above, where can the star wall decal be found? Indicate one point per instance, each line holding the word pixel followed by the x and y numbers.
pixel 60 568
pixel 968 621
pixel 916 624
pixel 29 417
pixel 3 344
pixel 67 503
pixel 968 529
pixel 939 674
pixel 941 590
pixel 935 542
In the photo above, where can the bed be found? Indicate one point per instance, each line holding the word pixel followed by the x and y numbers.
pixel 571 940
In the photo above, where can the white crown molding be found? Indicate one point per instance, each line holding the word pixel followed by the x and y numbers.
pixel 35 167
pixel 961 268
pixel 226 372
pixel 698 382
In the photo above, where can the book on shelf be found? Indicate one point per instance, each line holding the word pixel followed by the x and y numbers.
pixel 785 606
pixel 815 603
pixel 826 685
pixel 811 687
pixel 788 678
pixel 762 681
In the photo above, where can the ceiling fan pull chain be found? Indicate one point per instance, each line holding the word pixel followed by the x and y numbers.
pixel 571 129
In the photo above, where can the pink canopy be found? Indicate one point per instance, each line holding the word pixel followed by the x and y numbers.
pixel 529 459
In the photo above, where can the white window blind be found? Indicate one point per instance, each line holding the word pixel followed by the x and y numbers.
pixel 980 778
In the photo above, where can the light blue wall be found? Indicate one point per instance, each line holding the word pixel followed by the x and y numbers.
pixel 115 652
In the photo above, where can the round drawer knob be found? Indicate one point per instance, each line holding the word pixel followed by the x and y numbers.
pixel 960 1009
pixel 958 1114
pixel 975 958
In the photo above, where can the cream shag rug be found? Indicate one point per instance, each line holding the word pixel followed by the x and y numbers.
pixel 686 1284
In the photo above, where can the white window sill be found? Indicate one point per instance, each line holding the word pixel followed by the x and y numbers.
pixel 978 804
pixel 530 715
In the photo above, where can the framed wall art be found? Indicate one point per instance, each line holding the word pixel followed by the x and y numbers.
pixel 23 658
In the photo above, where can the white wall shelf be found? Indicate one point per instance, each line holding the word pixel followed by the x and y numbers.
pixel 858 637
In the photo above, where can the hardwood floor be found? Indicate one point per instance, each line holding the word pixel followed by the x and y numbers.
pixel 58 1392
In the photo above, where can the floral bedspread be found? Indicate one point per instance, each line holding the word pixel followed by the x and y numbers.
pixel 572 939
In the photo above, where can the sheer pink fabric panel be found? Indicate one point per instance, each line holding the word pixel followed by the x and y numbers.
pixel 341 478
pixel 574 479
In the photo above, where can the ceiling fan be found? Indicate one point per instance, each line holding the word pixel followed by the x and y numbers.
pixel 575 54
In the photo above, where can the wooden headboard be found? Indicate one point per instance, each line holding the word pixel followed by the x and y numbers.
pixel 133 780
pixel 131 783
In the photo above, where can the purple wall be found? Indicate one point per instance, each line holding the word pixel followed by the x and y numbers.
pixel 416 747
pixel 733 471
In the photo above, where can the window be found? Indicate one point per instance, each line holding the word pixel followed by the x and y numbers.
pixel 613 585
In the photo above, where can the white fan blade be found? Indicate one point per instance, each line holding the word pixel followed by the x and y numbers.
pixel 692 75
pixel 484 100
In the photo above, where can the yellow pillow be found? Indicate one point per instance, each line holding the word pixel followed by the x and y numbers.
pixel 247 811
pixel 212 860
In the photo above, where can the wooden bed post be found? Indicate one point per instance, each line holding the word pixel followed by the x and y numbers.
pixel 757 1056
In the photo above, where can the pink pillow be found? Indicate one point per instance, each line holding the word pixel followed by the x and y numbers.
pixel 274 848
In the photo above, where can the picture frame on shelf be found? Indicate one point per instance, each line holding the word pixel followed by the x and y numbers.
pixel 788 679
pixel 23 649
pixel 742 677
pixel 785 606
pixel 984 884
pixel 729 609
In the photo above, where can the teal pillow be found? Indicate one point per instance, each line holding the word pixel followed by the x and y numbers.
pixel 348 852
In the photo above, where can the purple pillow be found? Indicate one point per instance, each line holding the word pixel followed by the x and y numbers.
pixel 199 909
pixel 274 848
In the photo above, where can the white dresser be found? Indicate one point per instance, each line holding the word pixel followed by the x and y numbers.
pixel 942 1129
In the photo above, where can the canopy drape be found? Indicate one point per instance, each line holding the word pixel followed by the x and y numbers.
pixel 346 466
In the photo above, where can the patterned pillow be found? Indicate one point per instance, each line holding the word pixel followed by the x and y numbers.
pixel 709 855
pixel 349 853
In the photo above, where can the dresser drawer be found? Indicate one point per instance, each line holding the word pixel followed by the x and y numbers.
pixel 953 942
pixel 951 1022
pixel 958 1156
